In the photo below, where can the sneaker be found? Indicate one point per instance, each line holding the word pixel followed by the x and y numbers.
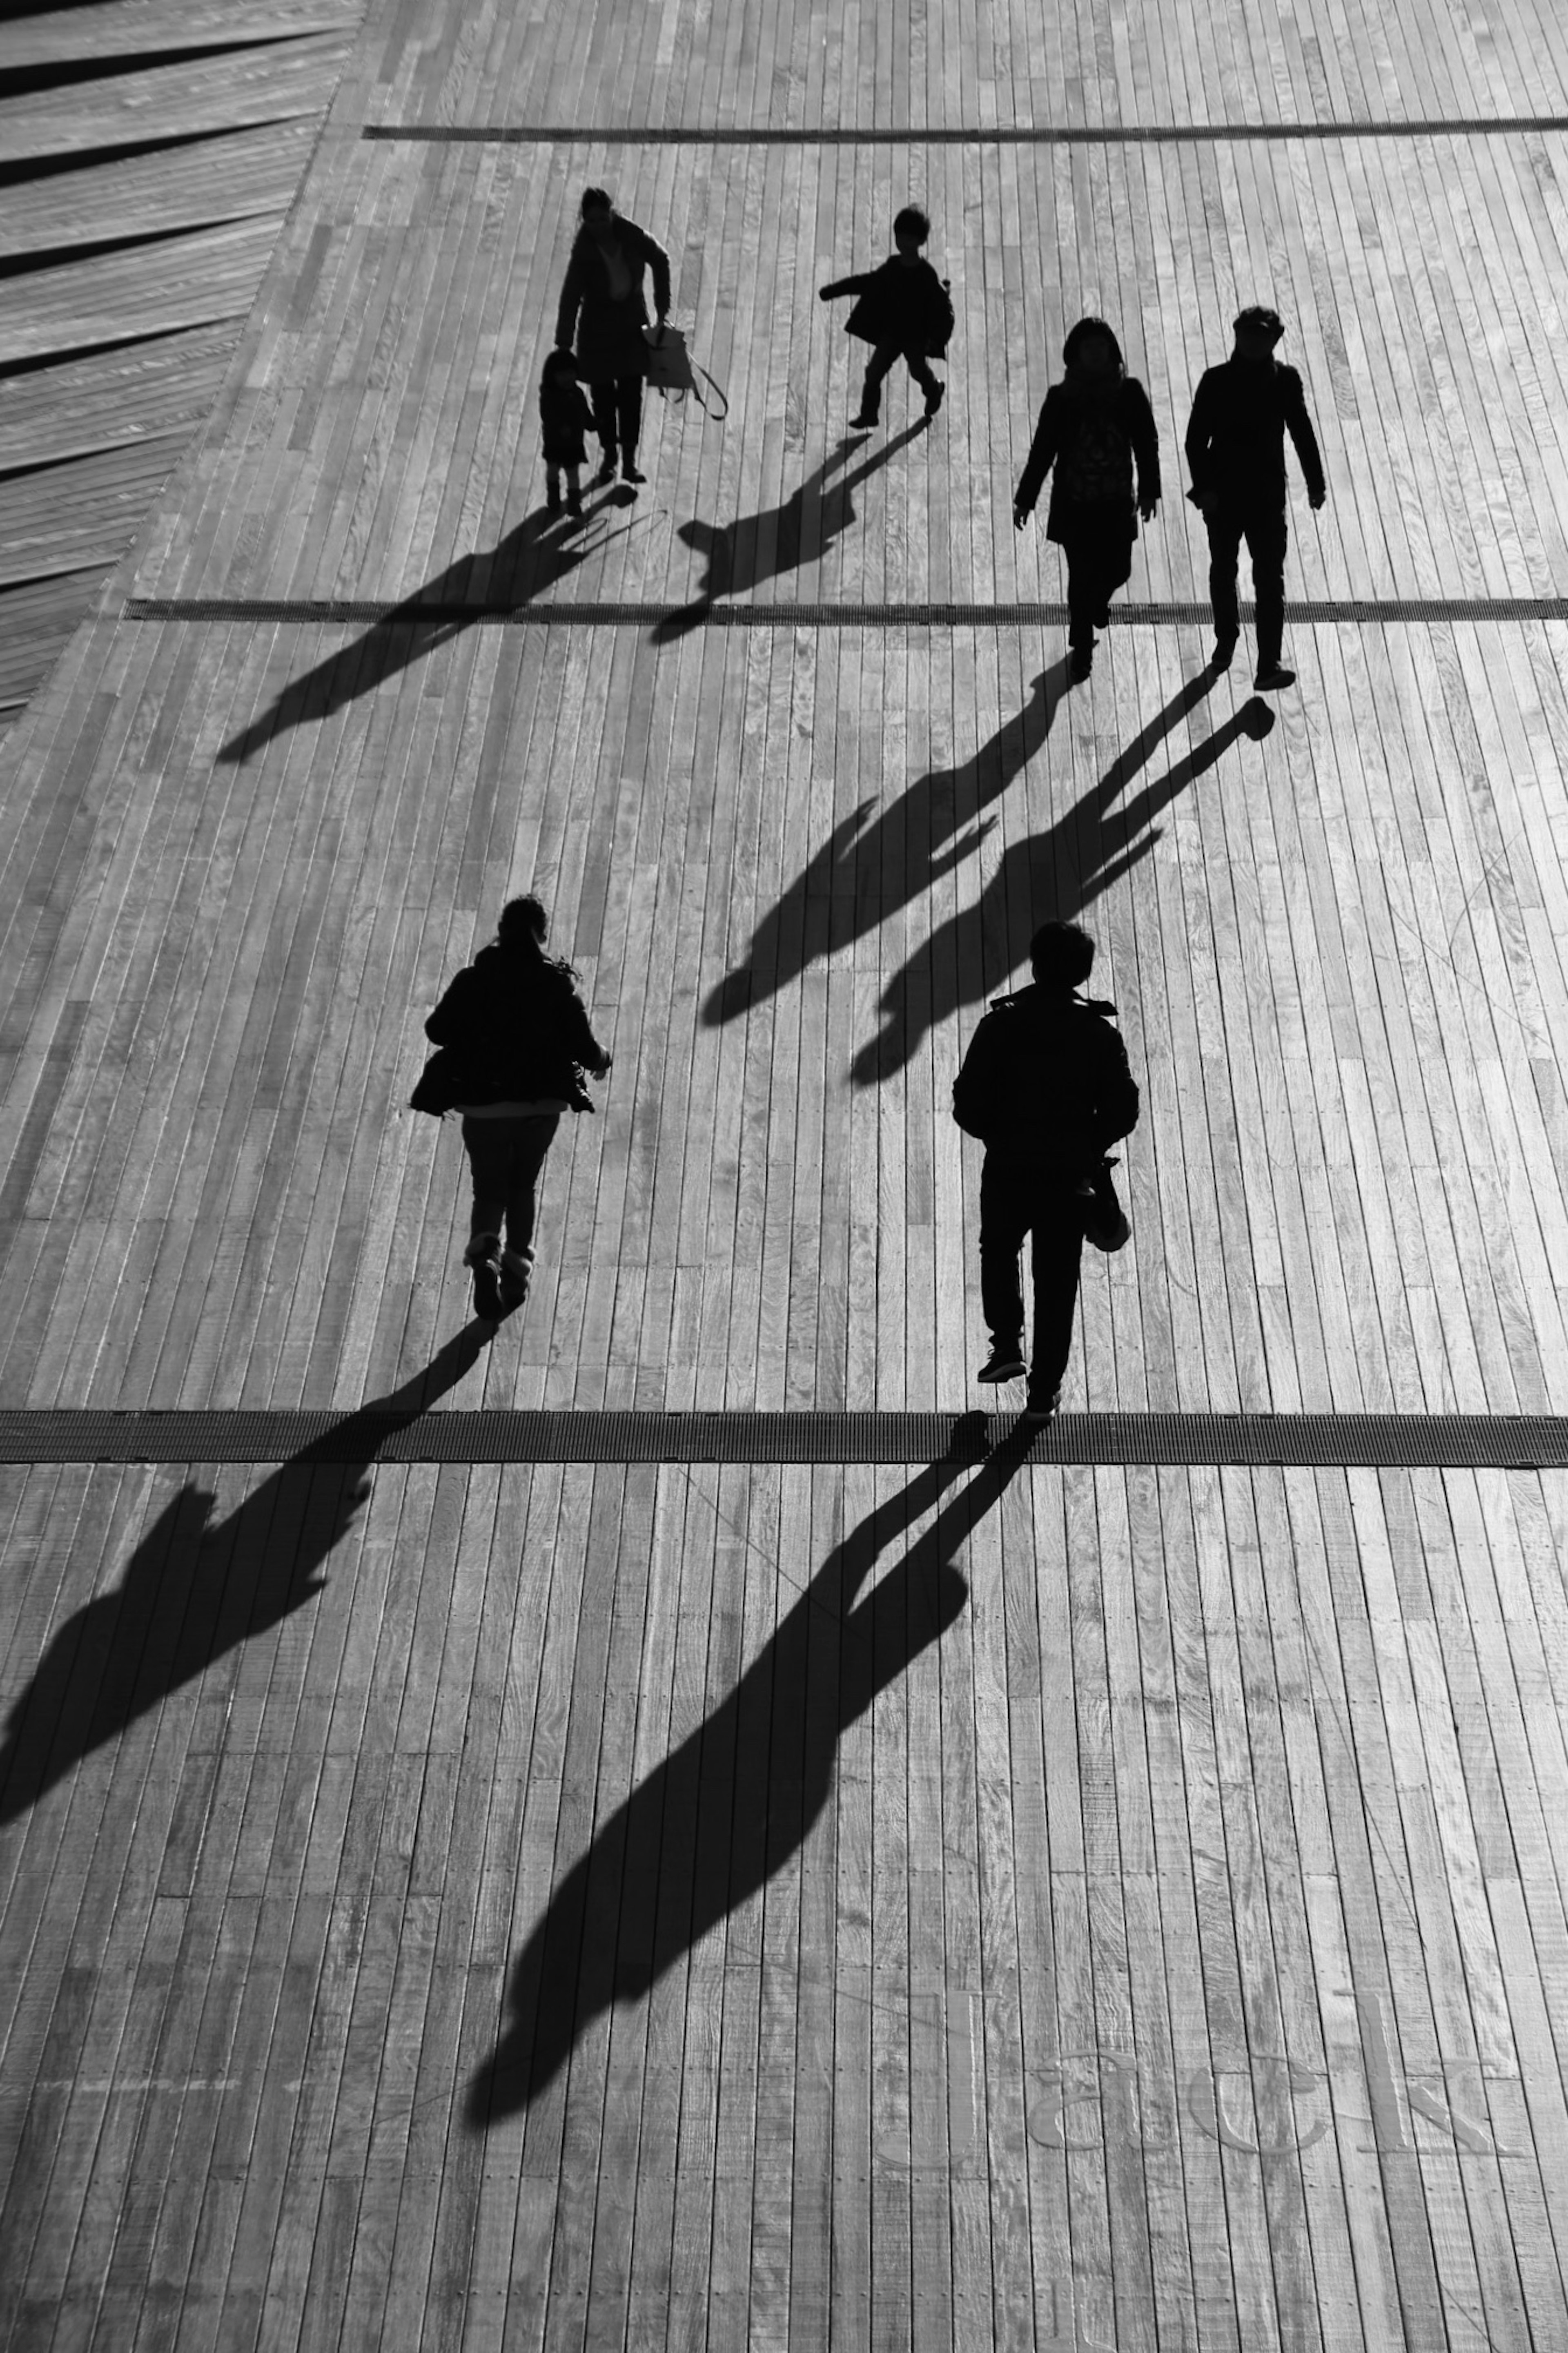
pixel 1004 1364
pixel 483 1255
pixel 1275 676
pixel 516 1272
pixel 1224 653
pixel 607 472
pixel 629 472
pixel 934 399
pixel 1081 664
pixel 863 424
pixel 1040 1405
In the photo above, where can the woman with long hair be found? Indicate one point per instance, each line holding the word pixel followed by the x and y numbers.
pixel 521 1038
pixel 1092 427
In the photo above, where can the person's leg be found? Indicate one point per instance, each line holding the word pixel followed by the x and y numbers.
pixel 1058 1230
pixel 1003 1222
pixel 553 489
pixel 602 397
pixel 628 411
pixel 1267 533
pixel 573 490
pixel 1224 546
pixel 877 366
pixel 530 1139
pixel 1077 546
pixel 920 369
pixel 489 1167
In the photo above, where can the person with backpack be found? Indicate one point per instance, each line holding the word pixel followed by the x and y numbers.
pixel 1092 427
pixel 602 315
pixel 1046 1087
pixel 1242 411
pixel 904 311
pixel 517 1042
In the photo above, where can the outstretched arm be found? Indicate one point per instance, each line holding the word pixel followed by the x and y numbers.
pixel 856 285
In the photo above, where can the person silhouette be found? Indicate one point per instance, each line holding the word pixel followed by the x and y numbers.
pixel 1092 426
pixel 602 314
pixel 1045 1088
pixel 1241 412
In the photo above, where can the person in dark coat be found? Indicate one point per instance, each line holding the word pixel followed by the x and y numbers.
pixel 903 313
pixel 1046 1087
pixel 563 416
pixel 520 1031
pixel 1092 427
pixel 602 314
pixel 1242 411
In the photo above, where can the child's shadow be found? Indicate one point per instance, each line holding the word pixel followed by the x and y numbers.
pixel 744 553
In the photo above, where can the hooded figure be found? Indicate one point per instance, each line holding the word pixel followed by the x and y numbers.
pixel 1094 427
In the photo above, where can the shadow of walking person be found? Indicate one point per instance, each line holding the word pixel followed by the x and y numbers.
pixel 1057 873
pixel 728 1808
pixel 520 567
pixel 742 554
pixel 865 873
pixel 192 1592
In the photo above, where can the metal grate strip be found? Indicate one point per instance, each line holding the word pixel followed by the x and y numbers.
pixel 1103 134
pixel 1377 1442
pixel 610 614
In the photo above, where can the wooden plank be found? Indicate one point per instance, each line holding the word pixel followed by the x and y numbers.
pixel 136 391
pixel 132 110
pixel 144 28
pixel 174 282
pixel 242 174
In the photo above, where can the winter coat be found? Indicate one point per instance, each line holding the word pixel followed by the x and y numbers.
pixel 518 1028
pixel 565 415
pixel 1045 1082
pixel 898 304
pixel 1236 435
pixel 607 333
pixel 1125 406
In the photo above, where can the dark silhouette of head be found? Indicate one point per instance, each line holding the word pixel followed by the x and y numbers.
pixel 522 931
pixel 595 200
pixel 910 229
pixel 560 367
pixel 1092 349
pixel 1061 956
pixel 1257 330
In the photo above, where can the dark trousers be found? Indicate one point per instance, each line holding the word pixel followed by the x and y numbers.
pixel 505 1156
pixel 1260 520
pixel 1015 1201
pixel 881 360
pixel 618 413
pixel 1100 561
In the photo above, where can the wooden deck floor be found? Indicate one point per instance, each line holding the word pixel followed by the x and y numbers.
pixel 810 1905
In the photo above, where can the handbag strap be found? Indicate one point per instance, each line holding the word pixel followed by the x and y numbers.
pixel 719 415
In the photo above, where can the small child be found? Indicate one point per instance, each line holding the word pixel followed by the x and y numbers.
pixel 903 309
pixel 565 416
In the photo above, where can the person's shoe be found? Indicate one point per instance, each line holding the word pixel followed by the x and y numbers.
pixel 607 472
pixel 483 1255
pixel 1082 662
pixel 1224 653
pixel 934 399
pixel 1276 675
pixel 574 504
pixel 863 424
pixel 629 472
pixel 516 1272
pixel 1004 1364
pixel 1040 1405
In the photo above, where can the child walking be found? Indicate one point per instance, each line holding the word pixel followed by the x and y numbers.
pixel 565 417
pixel 903 312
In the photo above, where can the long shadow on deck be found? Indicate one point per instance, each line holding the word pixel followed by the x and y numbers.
pixel 192 1591
pixel 1059 873
pixel 864 872
pixel 741 1795
pixel 741 555
pixel 523 566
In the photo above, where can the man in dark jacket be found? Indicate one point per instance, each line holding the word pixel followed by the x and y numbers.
pixel 903 311
pixel 1236 453
pixel 1046 1087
